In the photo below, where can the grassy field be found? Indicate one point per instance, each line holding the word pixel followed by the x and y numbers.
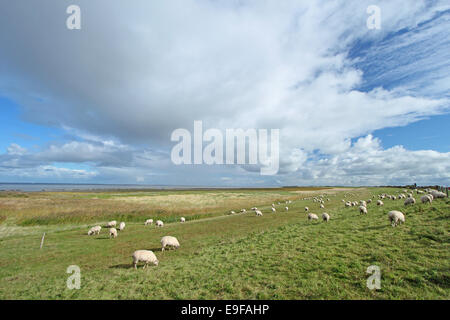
pixel 278 256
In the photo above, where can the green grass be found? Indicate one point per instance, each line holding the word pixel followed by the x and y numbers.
pixel 277 256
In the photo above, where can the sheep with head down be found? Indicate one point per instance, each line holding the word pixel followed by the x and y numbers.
pixel 396 217
pixel 159 223
pixel 325 217
pixel 94 230
pixel 409 201
pixel 112 224
pixel 312 216
pixel 146 256
pixel 121 226
pixel 362 210
pixel 426 198
pixel 258 213
pixel 169 241
pixel 148 221
pixel 182 219
pixel 113 233
pixel 380 203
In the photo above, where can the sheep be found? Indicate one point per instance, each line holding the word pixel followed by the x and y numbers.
pixel 94 230
pixel 113 233
pixel 380 203
pixel 287 208
pixel 112 224
pixel 121 226
pixel 243 210
pixel 362 210
pixel 145 256
pixel 159 223
pixel 306 209
pixel 148 221
pixel 426 198
pixel 363 203
pixel 232 212
pixel 369 201
pixel 169 241
pixel 312 216
pixel 409 201
pixel 325 217
pixel 396 217
pixel 254 208
pixel 258 213
pixel 348 204
pixel 273 209
pixel 437 194
pixel 322 206
pixel 182 219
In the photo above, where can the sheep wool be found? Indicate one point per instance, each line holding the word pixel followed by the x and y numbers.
pixel 146 256
pixel 169 241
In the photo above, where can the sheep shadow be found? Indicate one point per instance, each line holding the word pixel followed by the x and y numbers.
pixel 122 266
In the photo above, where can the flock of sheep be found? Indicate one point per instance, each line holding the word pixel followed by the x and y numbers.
pixel 395 217
pixel 145 256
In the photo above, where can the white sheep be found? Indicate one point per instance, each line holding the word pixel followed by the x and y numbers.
pixel 325 217
pixel 287 208
pixel 258 213
pixel 362 210
pixel 312 216
pixel 380 203
pixel 232 212
pixel 182 219
pixel 348 204
pixel 121 226
pixel 410 201
pixel 437 194
pixel 426 198
pixel 369 201
pixel 159 223
pixel 322 206
pixel 243 210
pixel 363 203
pixel 113 233
pixel 273 209
pixel 94 230
pixel 145 256
pixel 112 223
pixel 169 241
pixel 306 209
pixel 148 221
pixel 396 217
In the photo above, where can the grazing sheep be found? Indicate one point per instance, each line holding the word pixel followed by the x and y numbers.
pixel 148 221
pixel 437 194
pixel 273 209
pixel 363 203
pixel 287 208
pixel 159 223
pixel 312 216
pixel 113 233
pixel 112 223
pixel 348 204
pixel 145 256
pixel 369 201
pixel 232 212
pixel 325 217
pixel 121 226
pixel 396 217
pixel 306 209
pixel 243 210
pixel 426 198
pixel 254 208
pixel 258 213
pixel 94 230
pixel 410 201
pixel 169 241
pixel 182 219
pixel 380 203
pixel 322 206
pixel 362 210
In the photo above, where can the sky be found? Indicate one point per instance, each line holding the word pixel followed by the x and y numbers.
pixel 355 106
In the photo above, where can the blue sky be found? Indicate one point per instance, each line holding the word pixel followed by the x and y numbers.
pixel 354 106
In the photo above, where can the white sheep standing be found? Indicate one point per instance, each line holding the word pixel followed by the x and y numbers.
pixel 182 219
pixel 94 230
pixel 273 209
pixel 113 232
pixel 396 217
pixel 306 209
pixel 112 223
pixel 232 212
pixel 363 203
pixel 287 208
pixel 159 223
pixel 426 198
pixel 312 216
pixel 258 213
pixel 148 221
pixel 145 256
pixel 409 201
pixel 362 210
pixel 169 241
pixel 322 206
pixel 121 226
pixel 380 203
pixel 325 217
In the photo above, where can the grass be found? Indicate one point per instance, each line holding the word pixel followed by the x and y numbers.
pixel 222 256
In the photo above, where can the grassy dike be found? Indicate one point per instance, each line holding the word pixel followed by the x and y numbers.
pixel 222 256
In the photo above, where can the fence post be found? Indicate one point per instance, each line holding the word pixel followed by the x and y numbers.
pixel 42 240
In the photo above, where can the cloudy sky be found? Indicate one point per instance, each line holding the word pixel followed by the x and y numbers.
pixel 355 106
